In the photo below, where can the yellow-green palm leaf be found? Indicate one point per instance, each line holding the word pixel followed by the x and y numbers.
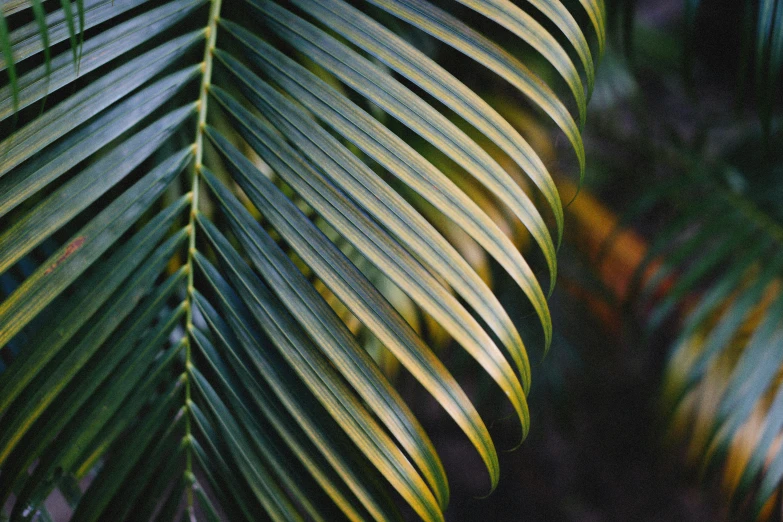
pixel 178 184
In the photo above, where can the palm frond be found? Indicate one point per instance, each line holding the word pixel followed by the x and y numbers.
pixel 718 264
pixel 173 234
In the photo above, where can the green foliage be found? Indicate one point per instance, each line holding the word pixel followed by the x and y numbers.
pixel 722 263
pixel 707 194
pixel 168 264
pixel 760 24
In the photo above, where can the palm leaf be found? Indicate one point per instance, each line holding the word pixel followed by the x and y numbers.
pixel 182 334
pixel 718 263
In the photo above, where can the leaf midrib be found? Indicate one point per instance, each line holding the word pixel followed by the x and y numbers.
pixel 206 67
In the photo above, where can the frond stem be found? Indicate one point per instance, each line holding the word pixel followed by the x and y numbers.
pixel 206 67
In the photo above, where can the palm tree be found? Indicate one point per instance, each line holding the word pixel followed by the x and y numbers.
pixel 209 211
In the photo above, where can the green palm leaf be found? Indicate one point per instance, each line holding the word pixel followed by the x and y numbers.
pixel 175 339
pixel 722 268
